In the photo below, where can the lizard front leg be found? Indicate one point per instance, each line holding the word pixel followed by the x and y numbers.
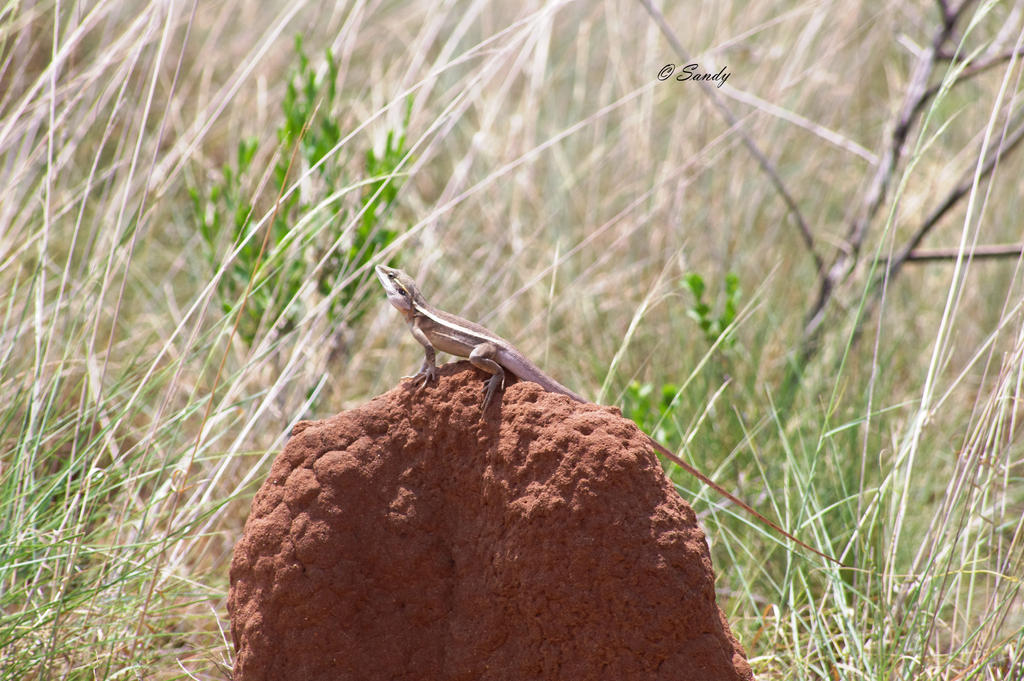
pixel 484 357
pixel 428 370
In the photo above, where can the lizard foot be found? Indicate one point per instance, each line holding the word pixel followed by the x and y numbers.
pixel 426 374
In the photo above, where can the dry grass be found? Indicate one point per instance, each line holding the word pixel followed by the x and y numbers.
pixel 554 189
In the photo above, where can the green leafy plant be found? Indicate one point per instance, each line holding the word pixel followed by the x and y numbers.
pixel 650 408
pixel 304 226
pixel 701 312
pixel 649 405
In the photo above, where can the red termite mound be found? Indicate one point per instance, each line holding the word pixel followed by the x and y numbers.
pixel 411 539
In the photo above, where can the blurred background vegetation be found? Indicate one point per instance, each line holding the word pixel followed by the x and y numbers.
pixel 774 276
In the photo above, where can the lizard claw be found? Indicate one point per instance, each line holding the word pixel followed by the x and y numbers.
pixel 429 375
pixel 426 374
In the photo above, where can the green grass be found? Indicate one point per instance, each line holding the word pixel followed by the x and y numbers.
pixel 192 205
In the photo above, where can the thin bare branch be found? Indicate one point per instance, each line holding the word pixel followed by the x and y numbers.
pixel 991 252
pixel 975 69
pixel 910 252
pixel 878 188
pixel 1006 146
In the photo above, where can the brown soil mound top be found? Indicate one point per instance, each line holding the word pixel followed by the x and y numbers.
pixel 409 539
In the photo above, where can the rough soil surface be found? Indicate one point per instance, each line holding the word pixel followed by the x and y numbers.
pixel 409 539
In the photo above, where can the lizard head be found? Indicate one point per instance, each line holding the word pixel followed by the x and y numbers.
pixel 400 288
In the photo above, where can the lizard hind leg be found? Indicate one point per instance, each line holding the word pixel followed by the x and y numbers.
pixel 482 357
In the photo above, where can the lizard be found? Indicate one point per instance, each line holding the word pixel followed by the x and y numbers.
pixel 436 330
